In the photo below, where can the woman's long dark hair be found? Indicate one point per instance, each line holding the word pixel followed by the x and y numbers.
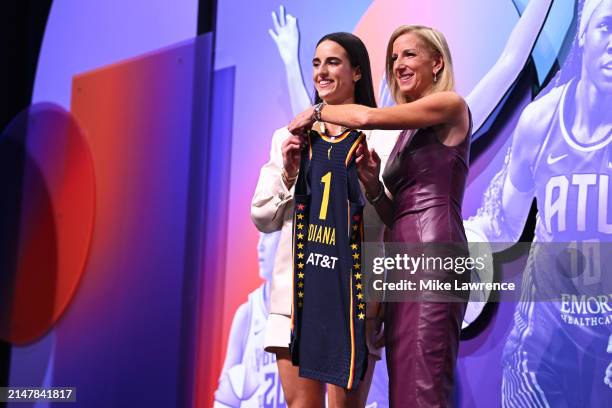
pixel 358 57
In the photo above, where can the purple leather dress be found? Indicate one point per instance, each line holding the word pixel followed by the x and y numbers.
pixel 427 180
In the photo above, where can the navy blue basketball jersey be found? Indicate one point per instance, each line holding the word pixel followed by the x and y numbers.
pixel 328 317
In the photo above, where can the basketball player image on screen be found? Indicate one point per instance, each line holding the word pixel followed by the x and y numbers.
pixel 483 100
pixel 249 377
pixel 557 354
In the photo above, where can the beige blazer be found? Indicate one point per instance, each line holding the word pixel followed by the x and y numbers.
pixel 272 210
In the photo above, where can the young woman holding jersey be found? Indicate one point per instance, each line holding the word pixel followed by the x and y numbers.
pixel 341 75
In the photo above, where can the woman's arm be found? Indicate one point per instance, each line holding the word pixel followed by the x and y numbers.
pixel 271 196
pixel 492 88
pixel 434 109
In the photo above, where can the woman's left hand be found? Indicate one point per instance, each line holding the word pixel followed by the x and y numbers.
pixel 368 168
pixel 302 122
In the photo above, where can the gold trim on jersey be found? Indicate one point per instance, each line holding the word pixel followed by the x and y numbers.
pixel 349 156
pixel 309 146
pixel 351 378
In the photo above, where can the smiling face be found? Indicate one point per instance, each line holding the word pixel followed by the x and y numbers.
pixel 414 66
pixel 334 77
pixel 597 47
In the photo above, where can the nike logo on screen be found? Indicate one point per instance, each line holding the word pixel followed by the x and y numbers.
pixel 553 160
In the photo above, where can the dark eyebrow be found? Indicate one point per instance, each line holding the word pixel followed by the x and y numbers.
pixel 328 59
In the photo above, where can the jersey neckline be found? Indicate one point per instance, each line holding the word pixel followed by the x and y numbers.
pixel 334 139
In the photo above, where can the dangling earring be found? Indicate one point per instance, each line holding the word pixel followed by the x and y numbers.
pixel 436 77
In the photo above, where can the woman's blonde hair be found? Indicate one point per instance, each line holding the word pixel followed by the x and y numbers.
pixel 435 41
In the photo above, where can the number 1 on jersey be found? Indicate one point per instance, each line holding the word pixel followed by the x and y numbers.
pixel 326 179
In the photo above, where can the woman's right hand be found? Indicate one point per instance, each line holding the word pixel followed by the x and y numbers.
pixel 291 148
pixel 368 169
